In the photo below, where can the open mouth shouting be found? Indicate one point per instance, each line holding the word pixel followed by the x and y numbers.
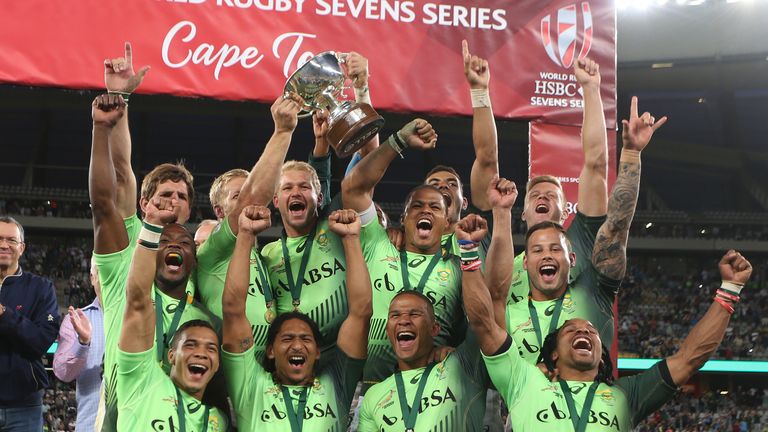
pixel 542 208
pixel 582 345
pixel 424 227
pixel 406 339
pixel 296 208
pixel 548 272
pixel 296 362
pixel 197 370
pixel 174 261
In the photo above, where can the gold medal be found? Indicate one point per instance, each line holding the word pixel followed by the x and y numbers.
pixel 269 316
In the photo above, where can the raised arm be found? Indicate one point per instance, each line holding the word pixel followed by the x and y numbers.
pixel 707 334
pixel 120 78
pixel 357 187
pixel 477 299
pixel 353 334
pixel 593 180
pixel 109 233
pixel 484 137
pixel 609 255
pixel 259 186
pixel 502 194
pixel 357 71
pixel 237 335
pixel 138 332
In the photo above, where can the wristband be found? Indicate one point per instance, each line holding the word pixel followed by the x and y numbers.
pixel 362 95
pixel 480 98
pixel 125 95
pixel 630 156
pixel 468 251
pixel 471 265
pixel 149 236
pixel 725 295
pixel 397 143
pixel 725 304
pixel 732 287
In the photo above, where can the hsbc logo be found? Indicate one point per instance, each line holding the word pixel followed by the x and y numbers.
pixel 560 38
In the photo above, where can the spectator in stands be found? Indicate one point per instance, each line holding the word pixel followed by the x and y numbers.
pixel 79 355
pixel 29 320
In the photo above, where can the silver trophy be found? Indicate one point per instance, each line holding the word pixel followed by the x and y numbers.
pixel 320 82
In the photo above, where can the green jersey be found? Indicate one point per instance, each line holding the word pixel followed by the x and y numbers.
pixel 536 404
pixel 582 233
pixel 589 297
pixel 113 274
pixel 148 399
pixel 442 286
pixel 260 403
pixel 212 263
pixel 453 398
pixel 324 290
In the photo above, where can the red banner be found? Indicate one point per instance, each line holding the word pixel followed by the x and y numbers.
pixel 245 49
pixel 556 150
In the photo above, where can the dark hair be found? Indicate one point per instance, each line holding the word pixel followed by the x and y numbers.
pixel 423 187
pixel 421 296
pixel 445 168
pixel 189 324
pixel 604 370
pixel 10 220
pixel 544 225
pixel 277 325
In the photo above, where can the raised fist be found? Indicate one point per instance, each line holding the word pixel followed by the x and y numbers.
pixel 502 193
pixel 587 72
pixel 637 132
pixel 285 112
pixel 419 134
pixel 344 223
pixel 119 75
pixel 475 68
pixel 735 268
pixel 160 211
pixel 107 109
pixel 472 228
pixel 254 219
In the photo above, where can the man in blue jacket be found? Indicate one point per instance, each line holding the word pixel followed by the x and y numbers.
pixel 29 322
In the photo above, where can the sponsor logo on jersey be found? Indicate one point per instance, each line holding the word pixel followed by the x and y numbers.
pixel 553 414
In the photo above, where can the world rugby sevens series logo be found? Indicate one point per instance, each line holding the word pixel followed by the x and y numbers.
pixel 562 48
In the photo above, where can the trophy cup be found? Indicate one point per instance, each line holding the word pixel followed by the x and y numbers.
pixel 320 82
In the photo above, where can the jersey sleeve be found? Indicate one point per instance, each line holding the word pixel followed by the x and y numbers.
pixel 113 271
pixel 372 234
pixel 582 233
pixel 136 372
pixel 509 373
pixel 322 166
pixel 367 423
pixel 132 228
pixel 468 354
pixel 646 392
pixel 346 373
pixel 217 250
pixel 241 371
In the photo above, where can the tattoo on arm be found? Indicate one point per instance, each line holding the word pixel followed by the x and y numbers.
pixel 609 255
pixel 246 343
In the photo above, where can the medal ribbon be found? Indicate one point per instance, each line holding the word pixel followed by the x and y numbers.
pixel 261 271
pixel 579 421
pixel 182 417
pixel 295 417
pixel 424 276
pixel 160 335
pixel 295 284
pixel 552 324
pixel 410 414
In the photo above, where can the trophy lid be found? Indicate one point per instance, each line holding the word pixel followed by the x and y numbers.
pixel 316 75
